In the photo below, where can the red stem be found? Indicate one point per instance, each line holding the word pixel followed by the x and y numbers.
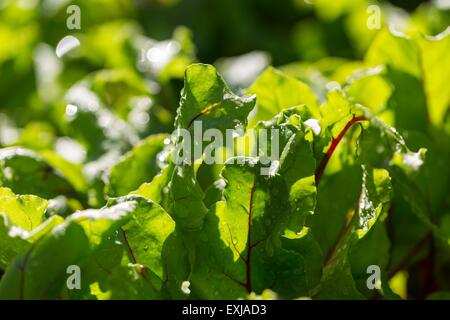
pixel 333 146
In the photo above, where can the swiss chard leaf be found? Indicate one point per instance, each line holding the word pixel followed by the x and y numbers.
pixel 139 165
pixel 241 247
pixel 276 91
pixel 40 272
pixel 206 97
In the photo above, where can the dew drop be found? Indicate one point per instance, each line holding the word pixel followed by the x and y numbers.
pixel 185 287
pixel 8 172
pixel 71 110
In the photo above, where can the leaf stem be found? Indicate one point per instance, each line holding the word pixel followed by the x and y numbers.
pixel 128 247
pixel 333 146
pixel 341 235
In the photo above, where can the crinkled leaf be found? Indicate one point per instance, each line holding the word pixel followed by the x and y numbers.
pixel 145 234
pixel 40 272
pixel 240 248
pixel 206 98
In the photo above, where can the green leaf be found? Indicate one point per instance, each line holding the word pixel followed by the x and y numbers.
pixel 24 211
pixel 331 216
pixel 240 249
pixel 16 240
pixel 346 262
pixel 415 66
pixel 304 245
pixel 145 234
pixel 136 167
pixel 206 98
pixel 401 55
pixel 214 193
pixel 10 247
pixel 179 254
pixel 363 83
pixel 336 108
pixel 71 171
pixel 337 111
pixel 394 49
pixel 40 272
pixel 128 283
pixel 372 245
pixel 186 199
pixel 276 91
pixel 179 193
pixel 157 189
pixel 296 164
pixel 434 59
pixel 408 101
pixel 26 172
pixel 404 165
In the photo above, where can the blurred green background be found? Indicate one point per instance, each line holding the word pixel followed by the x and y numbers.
pixel 126 76
pixel 114 32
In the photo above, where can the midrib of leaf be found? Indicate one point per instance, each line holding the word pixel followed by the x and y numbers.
pixel 250 246
pixel 140 268
pixel 205 111
pixel 22 267
pixel 22 275
pixel 128 247
pixel 248 285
